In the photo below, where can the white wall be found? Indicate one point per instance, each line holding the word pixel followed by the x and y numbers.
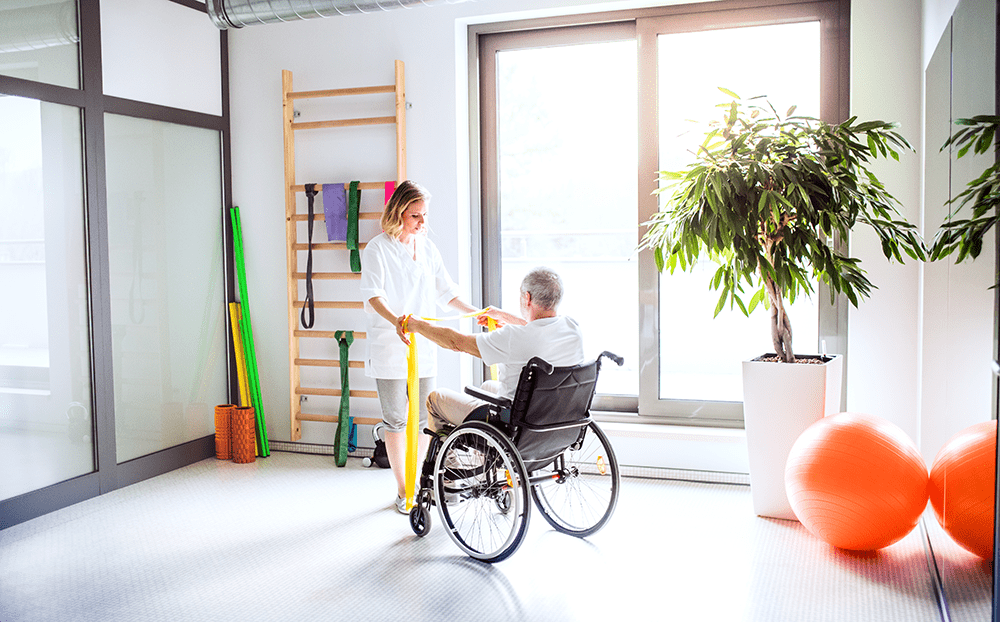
pixel 882 359
pixel 357 50
pixel 883 368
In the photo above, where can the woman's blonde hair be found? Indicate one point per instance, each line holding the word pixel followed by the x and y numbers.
pixel 405 194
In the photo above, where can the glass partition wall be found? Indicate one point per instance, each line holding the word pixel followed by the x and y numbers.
pixel 45 390
pixel 113 248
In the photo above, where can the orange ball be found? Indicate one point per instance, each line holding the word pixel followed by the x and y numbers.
pixel 962 487
pixel 856 481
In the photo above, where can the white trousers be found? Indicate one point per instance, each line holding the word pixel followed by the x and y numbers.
pixel 448 407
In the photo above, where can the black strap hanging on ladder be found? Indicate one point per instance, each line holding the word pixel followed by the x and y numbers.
pixel 308 305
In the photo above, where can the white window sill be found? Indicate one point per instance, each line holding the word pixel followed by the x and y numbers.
pixel 688 448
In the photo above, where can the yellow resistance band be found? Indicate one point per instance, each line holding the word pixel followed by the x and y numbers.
pixel 412 418
pixel 413 397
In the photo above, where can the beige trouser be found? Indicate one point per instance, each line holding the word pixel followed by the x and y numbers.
pixel 448 407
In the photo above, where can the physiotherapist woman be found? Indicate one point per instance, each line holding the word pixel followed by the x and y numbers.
pixel 402 272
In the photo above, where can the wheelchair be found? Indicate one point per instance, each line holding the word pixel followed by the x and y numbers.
pixel 479 473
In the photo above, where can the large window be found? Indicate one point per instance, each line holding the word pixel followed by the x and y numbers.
pixel 565 176
pixel 575 122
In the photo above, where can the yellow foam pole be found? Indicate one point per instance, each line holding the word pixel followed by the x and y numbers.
pixel 243 380
pixel 412 419
pixel 241 368
pixel 492 325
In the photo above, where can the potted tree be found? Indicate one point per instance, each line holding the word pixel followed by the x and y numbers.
pixel 771 199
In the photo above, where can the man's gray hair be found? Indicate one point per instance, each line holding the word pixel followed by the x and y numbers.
pixel 545 287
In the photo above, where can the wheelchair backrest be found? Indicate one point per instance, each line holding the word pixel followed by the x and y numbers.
pixel 550 410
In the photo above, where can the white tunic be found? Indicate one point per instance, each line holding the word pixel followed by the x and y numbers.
pixel 408 286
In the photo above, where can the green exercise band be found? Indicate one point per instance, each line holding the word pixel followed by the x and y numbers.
pixel 353 210
pixel 341 442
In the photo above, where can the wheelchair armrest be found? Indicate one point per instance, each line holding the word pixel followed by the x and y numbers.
pixel 486 396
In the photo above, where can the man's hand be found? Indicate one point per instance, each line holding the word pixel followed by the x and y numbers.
pixel 401 330
pixel 491 313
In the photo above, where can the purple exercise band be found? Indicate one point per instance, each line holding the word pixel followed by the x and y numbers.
pixel 335 211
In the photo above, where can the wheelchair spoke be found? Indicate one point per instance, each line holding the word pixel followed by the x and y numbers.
pixel 582 497
pixel 481 492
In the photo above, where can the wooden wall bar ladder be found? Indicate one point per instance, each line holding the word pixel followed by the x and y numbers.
pixel 292 218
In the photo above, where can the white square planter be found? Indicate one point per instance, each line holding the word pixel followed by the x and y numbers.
pixel 780 401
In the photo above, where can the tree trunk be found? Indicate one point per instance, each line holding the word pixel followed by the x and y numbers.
pixel 781 327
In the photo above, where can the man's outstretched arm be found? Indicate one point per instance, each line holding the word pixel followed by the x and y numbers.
pixel 444 337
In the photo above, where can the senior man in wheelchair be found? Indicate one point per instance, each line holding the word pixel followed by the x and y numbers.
pixel 539 331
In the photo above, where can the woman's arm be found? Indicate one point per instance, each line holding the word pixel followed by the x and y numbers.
pixel 379 305
pixel 504 317
pixel 458 303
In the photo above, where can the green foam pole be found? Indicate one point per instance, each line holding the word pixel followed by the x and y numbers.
pixel 246 331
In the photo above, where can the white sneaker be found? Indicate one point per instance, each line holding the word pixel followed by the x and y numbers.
pixel 401 505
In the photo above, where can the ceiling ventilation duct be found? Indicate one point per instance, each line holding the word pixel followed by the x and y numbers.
pixel 240 13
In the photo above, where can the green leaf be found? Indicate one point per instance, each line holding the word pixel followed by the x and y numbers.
pixel 722 302
pixel 872 145
pixel 739 303
pixel 757 298
pixel 729 93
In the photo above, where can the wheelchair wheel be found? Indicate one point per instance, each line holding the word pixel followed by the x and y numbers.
pixel 582 491
pixel 481 489
pixel 420 520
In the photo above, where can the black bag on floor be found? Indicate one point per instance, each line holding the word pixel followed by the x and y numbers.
pixel 381 457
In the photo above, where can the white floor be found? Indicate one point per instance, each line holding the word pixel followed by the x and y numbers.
pixel 293 537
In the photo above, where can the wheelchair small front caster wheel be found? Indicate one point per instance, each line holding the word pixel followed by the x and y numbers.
pixel 505 501
pixel 420 520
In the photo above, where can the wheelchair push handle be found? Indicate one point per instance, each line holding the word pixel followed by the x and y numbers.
pixel 614 357
pixel 541 364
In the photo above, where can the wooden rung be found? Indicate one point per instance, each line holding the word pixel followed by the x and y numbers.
pixel 333 392
pixel 361 90
pixel 334 419
pixel 321 216
pixel 328 363
pixel 315 125
pixel 324 304
pixel 326 334
pixel 336 276
pixel 365 185
pixel 326 246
